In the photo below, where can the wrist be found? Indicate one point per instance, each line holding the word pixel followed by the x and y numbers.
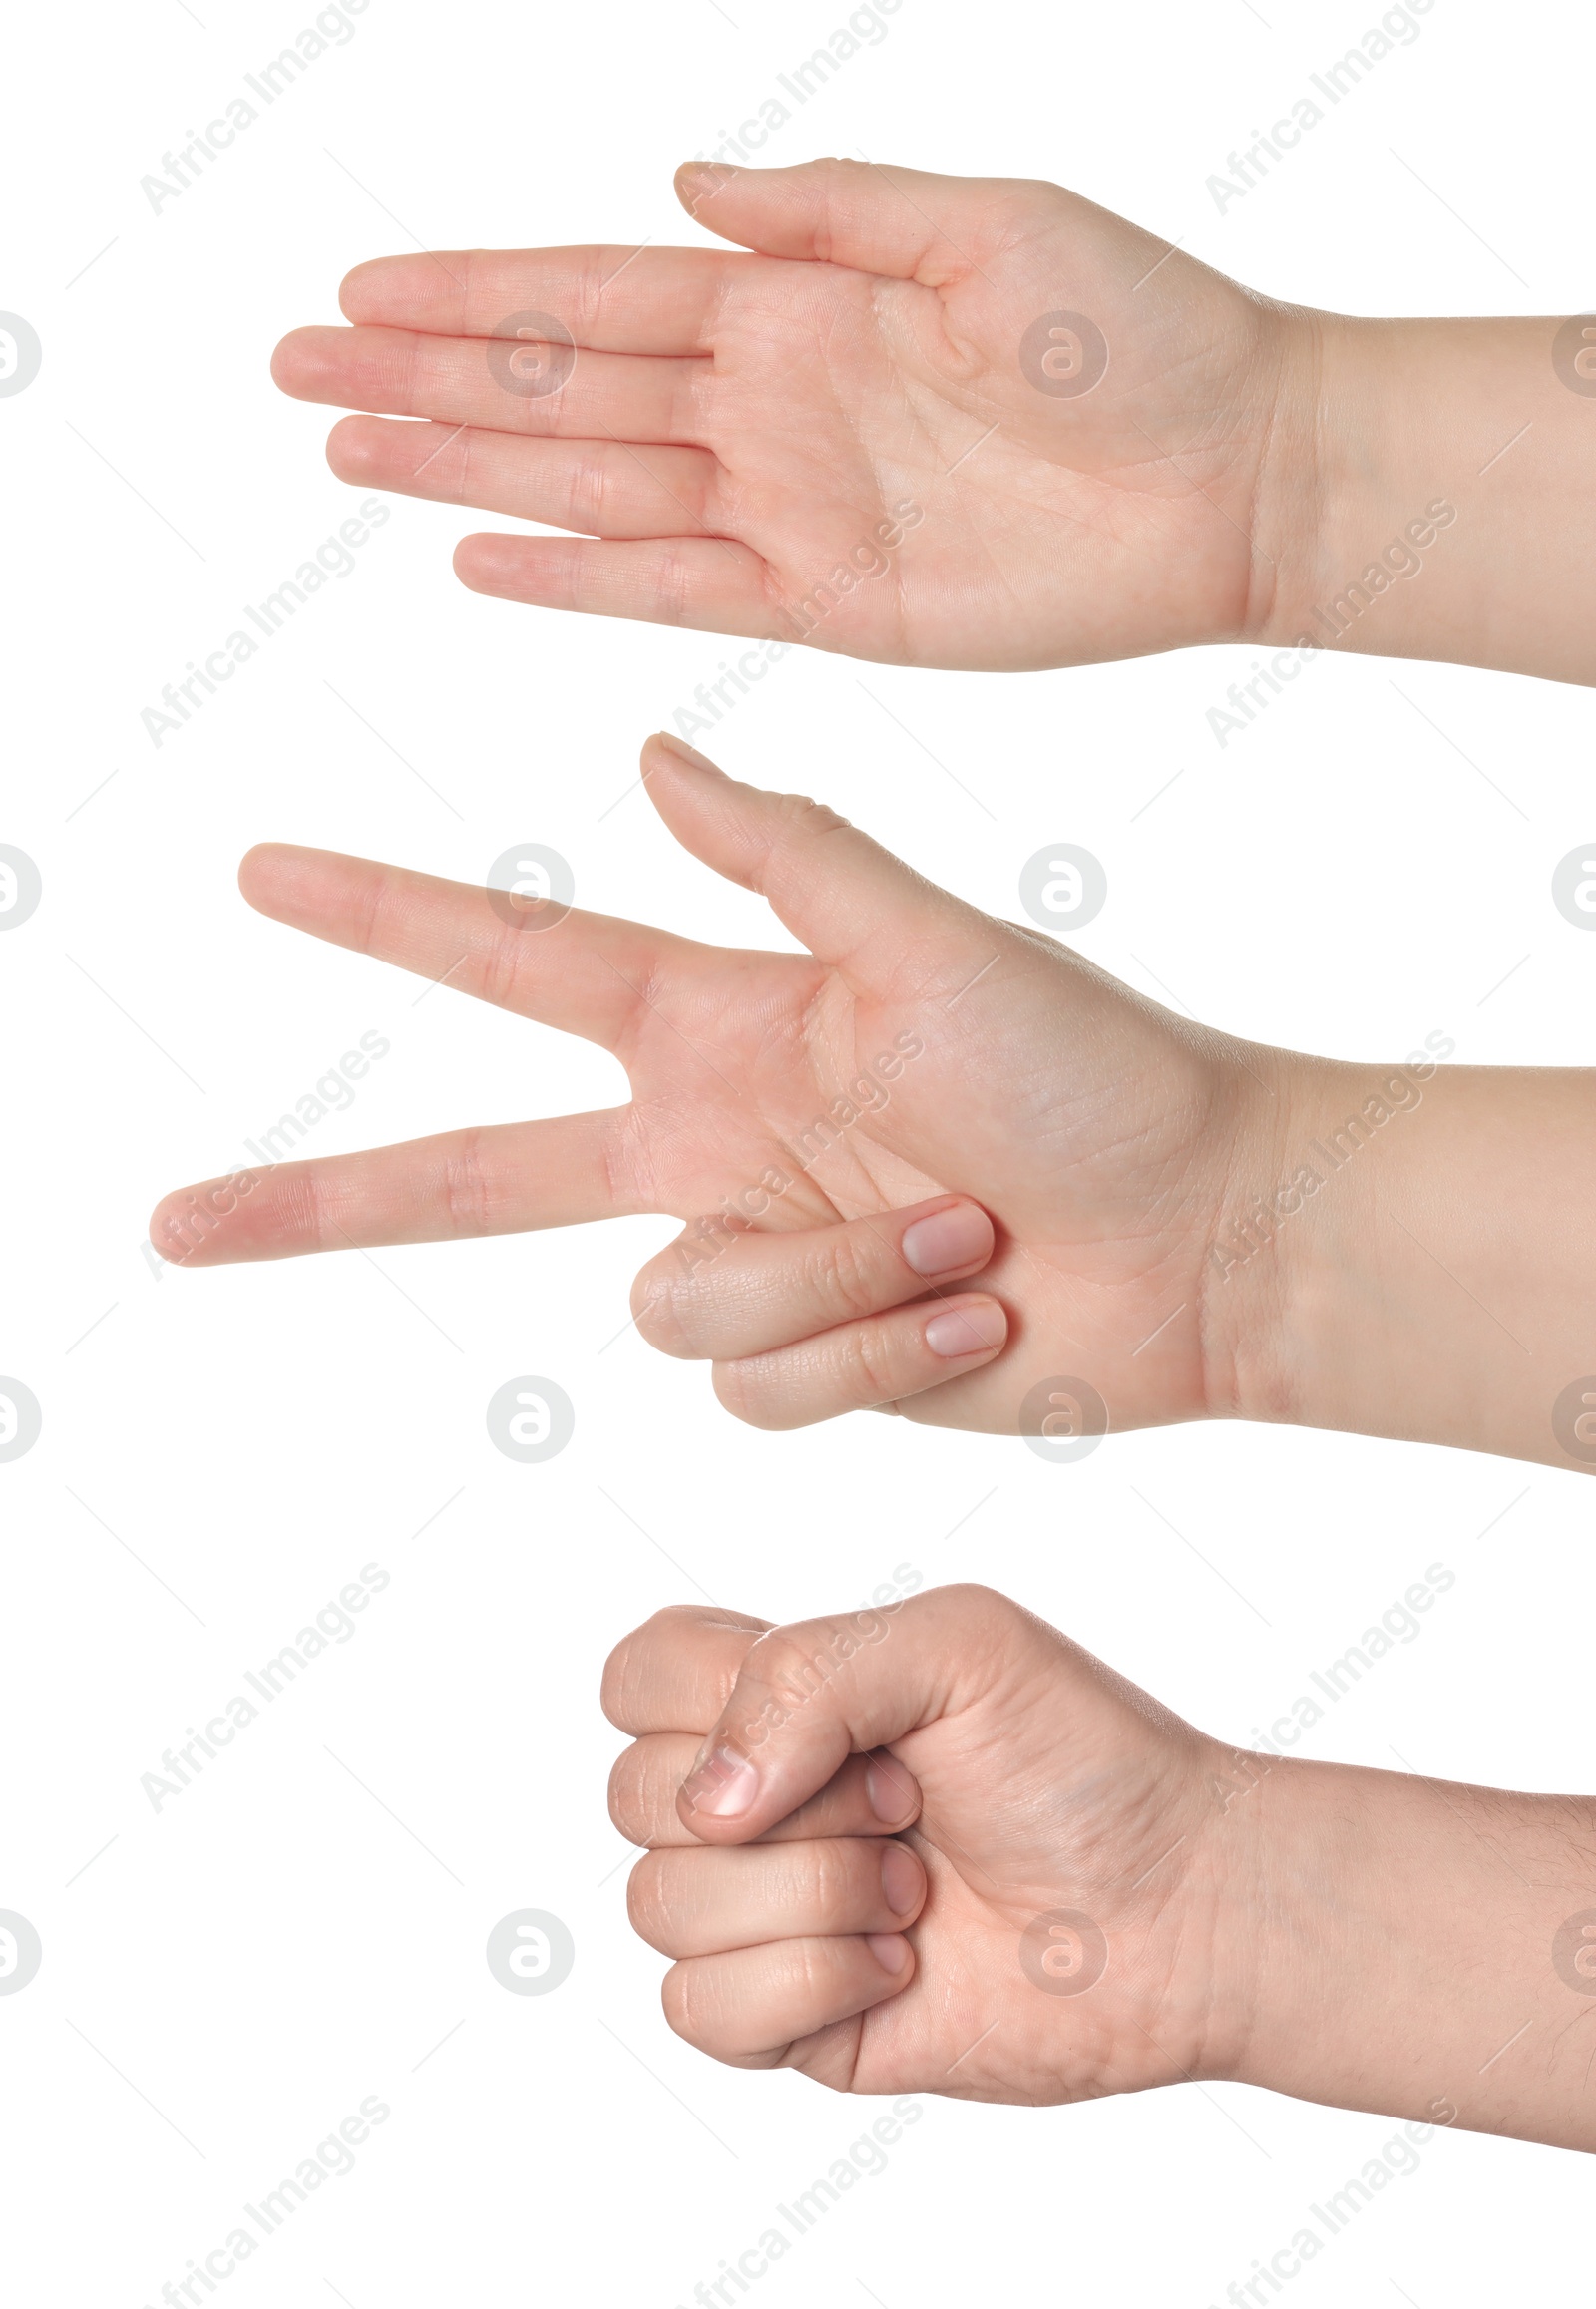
pixel 1427 493
pixel 1411 1947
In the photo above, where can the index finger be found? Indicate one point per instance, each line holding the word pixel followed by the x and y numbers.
pixel 678 1671
pixel 612 299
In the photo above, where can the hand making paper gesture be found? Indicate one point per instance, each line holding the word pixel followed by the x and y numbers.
pixel 971 421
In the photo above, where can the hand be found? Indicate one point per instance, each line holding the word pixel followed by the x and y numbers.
pixel 938 1847
pixel 737 429
pixel 939 1774
pixel 927 1097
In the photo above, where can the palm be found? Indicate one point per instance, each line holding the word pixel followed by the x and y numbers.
pixel 922 1047
pixel 852 448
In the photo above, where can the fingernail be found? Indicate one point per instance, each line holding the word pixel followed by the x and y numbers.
pixel 956 1332
pixel 724 1787
pixel 947 1239
pixel 689 753
pixel 900 1879
pixel 890 1950
pixel 886 1791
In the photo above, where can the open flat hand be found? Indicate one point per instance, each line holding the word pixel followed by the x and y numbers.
pixel 929 420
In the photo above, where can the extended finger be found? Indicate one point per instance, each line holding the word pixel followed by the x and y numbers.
pixel 759 1290
pixel 871 1795
pixel 604 488
pixel 860 1367
pixel 457 380
pixel 614 299
pixel 585 972
pixel 499 1180
pixel 749 2005
pixel 711 585
pixel 706 1901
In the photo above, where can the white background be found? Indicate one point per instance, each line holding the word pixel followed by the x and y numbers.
pixel 224 1981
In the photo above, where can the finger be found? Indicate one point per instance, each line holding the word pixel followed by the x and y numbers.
pixel 678 1670
pixel 584 972
pixel 710 584
pixel 499 1180
pixel 705 1902
pixel 869 1797
pixel 902 223
pixel 851 902
pixel 748 2007
pixel 809 1696
pixel 399 373
pixel 859 1367
pixel 617 300
pixel 763 1291
pixel 601 488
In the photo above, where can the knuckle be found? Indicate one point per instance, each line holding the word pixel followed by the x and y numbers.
pixel 871 1371
pixel 648 1904
pixel 691 2007
pixel 657 1310
pixel 627 1794
pixel 744 1391
pixel 845 1274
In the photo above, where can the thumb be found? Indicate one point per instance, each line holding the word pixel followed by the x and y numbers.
pixel 809 1696
pixel 898 222
pixel 848 899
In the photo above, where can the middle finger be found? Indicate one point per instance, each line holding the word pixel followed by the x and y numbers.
pixel 399 373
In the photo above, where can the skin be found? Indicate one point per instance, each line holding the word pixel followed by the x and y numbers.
pixel 852 1824
pixel 736 426
pixel 1044 1173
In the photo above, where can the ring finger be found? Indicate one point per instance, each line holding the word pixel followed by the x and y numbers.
pixel 600 489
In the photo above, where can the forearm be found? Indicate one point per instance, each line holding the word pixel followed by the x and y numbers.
pixel 1445 475
pixel 1414 1256
pixel 1417 1947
